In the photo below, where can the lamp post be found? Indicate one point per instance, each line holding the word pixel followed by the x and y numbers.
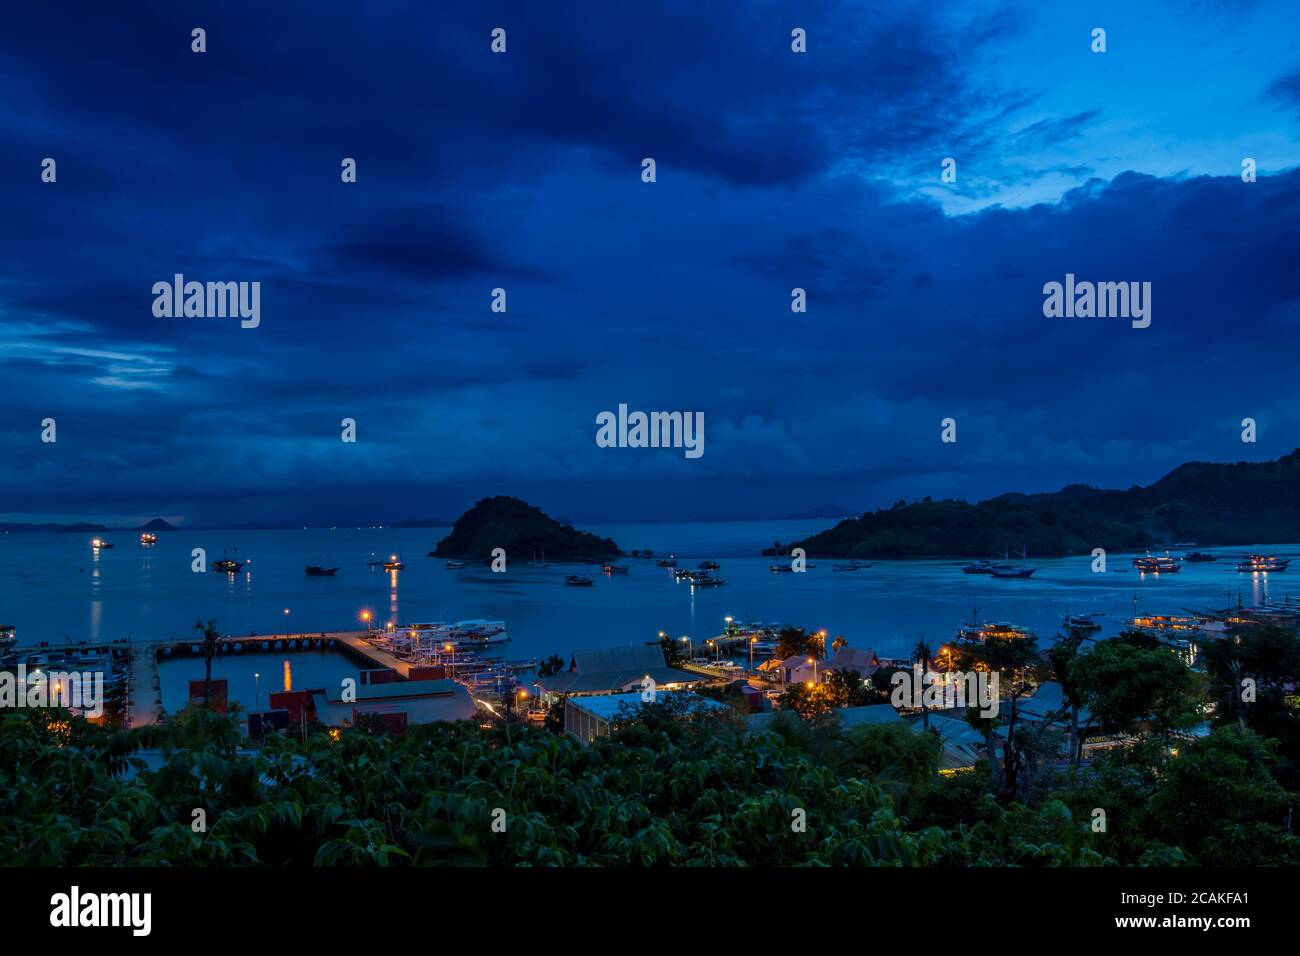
pixel 752 642
pixel 257 693
pixel 813 662
pixel 365 619
pixel 690 647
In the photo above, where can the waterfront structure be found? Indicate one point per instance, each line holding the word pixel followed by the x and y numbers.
pixel 398 704
pixel 592 716
pixel 614 670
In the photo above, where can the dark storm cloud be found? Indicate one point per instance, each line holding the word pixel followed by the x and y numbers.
pixel 523 171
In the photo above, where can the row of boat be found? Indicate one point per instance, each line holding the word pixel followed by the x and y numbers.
pixel 1251 564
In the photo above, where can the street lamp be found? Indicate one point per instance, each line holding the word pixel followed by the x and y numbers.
pixel 813 662
pixel 365 619
pixel 452 648
pixel 690 647
pixel 257 693
pixel 752 642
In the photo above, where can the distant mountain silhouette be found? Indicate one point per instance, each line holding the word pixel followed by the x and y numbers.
pixel 157 524
pixel 522 530
pixel 821 511
pixel 1238 503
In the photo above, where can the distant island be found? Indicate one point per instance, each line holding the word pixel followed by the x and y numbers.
pixel 1240 503
pixel 522 530
pixel 84 527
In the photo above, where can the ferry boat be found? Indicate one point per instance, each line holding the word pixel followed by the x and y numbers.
pixel 226 566
pixel 394 563
pixel 1080 622
pixel 1258 562
pixel 1157 565
pixel 148 537
pixel 983 631
pixel 1194 557
pixel 976 630
pixel 316 571
pixel 577 581
pixel 1166 624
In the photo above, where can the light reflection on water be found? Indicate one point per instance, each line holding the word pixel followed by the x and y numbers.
pixel 151 593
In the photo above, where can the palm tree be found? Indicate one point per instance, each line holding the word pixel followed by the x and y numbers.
pixel 921 656
pixel 210 637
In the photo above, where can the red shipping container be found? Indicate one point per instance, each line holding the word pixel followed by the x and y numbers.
pixel 297 702
pixel 379 675
pixel 217 688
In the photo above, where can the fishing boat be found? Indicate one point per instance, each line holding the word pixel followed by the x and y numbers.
pixel 394 563
pixel 226 566
pixel 577 581
pixel 1157 565
pixel 456 565
pixel 1195 557
pixel 148 537
pixel 616 568
pixel 100 544
pixel 316 571
pixel 1257 562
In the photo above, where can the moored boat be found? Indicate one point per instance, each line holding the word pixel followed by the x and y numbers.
pixel 394 563
pixel 456 565
pixel 1157 565
pixel 616 568
pixel 1194 557
pixel 148 537
pixel 316 571
pixel 1080 622
pixel 1258 562
pixel 577 581
pixel 226 566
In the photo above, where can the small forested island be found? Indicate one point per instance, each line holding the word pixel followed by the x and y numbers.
pixel 522 530
pixel 1237 503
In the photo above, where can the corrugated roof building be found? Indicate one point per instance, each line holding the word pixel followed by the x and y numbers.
pixel 613 670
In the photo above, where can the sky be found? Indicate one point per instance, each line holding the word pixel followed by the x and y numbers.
pixel 522 170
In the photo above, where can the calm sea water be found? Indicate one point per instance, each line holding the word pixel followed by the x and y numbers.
pixel 52 587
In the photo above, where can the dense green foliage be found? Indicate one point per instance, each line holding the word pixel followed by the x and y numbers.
pixel 523 530
pixel 654 794
pixel 1241 503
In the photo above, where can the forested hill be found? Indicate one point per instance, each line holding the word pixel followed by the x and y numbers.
pixel 1241 503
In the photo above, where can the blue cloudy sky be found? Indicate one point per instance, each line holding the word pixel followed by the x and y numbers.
pixel 522 171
